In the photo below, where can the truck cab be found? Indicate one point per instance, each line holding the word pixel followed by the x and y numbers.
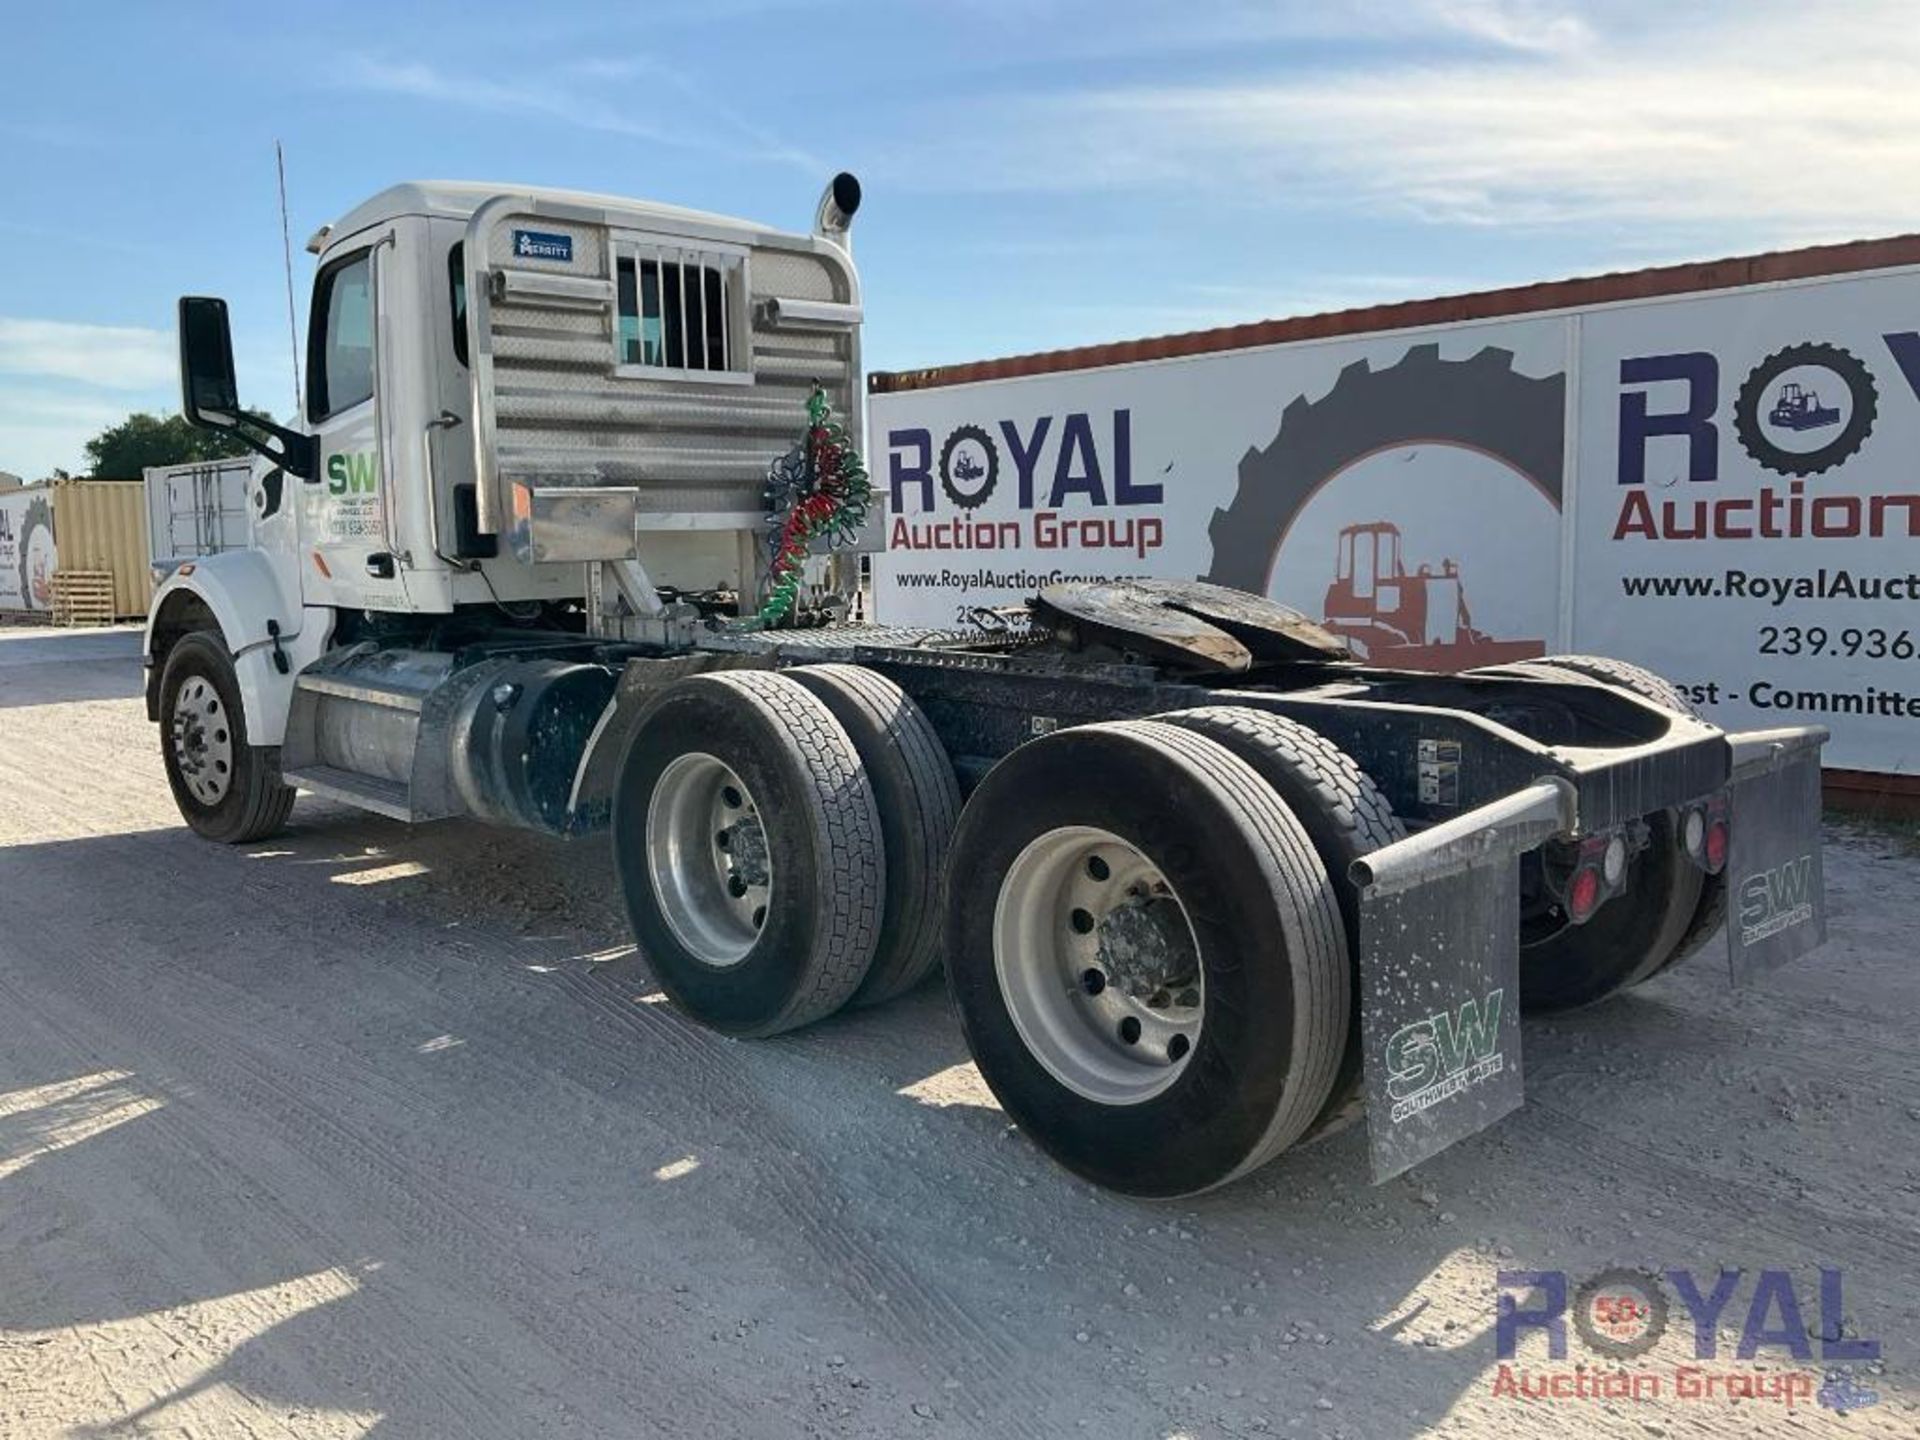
pixel 505 389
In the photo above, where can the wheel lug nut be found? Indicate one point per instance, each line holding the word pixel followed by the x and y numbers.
pixel 1159 1000
pixel 1189 999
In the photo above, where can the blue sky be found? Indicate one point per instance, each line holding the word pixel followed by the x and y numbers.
pixel 1038 172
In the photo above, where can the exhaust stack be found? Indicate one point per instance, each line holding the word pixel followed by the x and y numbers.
pixel 834 217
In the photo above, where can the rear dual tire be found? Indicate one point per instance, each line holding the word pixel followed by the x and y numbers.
pixel 919 803
pixel 1710 910
pixel 1345 816
pixel 747 843
pixel 1225 910
pixel 780 841
pixel 1671 907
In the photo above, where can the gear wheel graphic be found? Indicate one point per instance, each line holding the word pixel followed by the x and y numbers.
pixel 969 499
pixel 1651 1304
pixel 1843 364
pixel 1480 403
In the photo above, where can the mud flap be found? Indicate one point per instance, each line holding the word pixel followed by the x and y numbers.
pixel 1777 901
pixel 1440 975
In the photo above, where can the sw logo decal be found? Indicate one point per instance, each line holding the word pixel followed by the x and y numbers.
pixel 1437 1058
pixel 1775 900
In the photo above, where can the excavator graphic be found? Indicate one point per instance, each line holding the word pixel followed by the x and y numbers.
pixel 1415 622
pixel 1800 409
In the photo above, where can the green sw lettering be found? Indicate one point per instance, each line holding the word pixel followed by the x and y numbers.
pixel 352 474
pixel 1471 1038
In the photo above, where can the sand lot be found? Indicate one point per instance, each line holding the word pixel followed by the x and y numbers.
pixel 371 1130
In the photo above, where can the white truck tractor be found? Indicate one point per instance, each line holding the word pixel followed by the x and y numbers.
pixel 542 552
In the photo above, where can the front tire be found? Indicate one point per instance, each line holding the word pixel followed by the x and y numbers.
pixel 1147 957
pixel 227 789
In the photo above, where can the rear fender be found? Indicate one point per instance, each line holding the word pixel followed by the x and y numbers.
pixel 240 592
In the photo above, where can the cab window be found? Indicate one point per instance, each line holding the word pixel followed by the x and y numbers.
pixel 340 338
pixel 457 288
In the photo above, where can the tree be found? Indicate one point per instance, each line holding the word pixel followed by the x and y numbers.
pixel 123 451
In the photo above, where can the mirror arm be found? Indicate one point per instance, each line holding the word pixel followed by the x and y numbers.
pixel 289 449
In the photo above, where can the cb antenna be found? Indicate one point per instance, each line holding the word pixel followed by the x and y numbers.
pixel 286 249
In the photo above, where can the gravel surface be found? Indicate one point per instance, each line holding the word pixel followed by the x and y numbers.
pixel 371 1130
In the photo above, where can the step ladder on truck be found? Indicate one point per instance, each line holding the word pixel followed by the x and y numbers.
pixel 1204 885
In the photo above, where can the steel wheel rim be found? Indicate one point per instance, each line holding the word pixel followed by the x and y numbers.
pixel 1092 946
pixel 202 740
pixel 707 859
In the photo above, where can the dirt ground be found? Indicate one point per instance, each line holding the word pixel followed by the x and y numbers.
pixel 373 1130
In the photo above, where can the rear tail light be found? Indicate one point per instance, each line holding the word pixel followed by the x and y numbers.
pixel 1716 847
pixel 1584 893
pixel 1599 872
pixel 1704 831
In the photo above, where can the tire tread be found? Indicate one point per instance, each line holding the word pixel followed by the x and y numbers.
pixel 910 946
pixel 847 822
pixel 1345 815
pixel 1711 911
pixel 1321 1017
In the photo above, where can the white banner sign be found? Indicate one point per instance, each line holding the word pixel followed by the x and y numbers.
pixel 1747 507
pixel 1714 486
pixel 26 550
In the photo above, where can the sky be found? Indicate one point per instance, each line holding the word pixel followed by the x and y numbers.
pixel 1038 173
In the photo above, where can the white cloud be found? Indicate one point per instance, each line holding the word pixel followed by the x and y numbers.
pixel 117 357
pixel 1537 25
pixel 43 429
pixel 74 381
pixel 566 97
pixel 1790 120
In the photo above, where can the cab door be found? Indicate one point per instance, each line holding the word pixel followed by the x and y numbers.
pixel 346 510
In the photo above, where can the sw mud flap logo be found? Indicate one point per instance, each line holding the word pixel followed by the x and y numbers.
pixel 1776 900
pixel 1437 1058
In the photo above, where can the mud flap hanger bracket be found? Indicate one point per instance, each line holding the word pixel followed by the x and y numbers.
pixel 1440 973
pixel 1761 752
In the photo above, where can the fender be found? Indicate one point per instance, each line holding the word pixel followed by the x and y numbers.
pixel 242 590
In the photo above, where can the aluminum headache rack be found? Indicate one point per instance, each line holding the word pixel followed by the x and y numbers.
pixel 626 379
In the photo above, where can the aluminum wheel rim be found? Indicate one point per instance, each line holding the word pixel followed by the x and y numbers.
pixel 1099 966
pixel 707 859
pixel 202 742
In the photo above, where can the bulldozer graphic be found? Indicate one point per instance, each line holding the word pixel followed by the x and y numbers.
pixel 1800 409
pixel 1417 621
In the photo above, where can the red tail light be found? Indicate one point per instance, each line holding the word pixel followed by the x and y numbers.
pixel 1717 838
pixel 1583 893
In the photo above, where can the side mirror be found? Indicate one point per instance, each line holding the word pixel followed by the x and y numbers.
pixel 210 397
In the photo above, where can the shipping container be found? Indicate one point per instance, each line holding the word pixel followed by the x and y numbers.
pixel 1706 469
pixel 195 510
pixel 84 526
